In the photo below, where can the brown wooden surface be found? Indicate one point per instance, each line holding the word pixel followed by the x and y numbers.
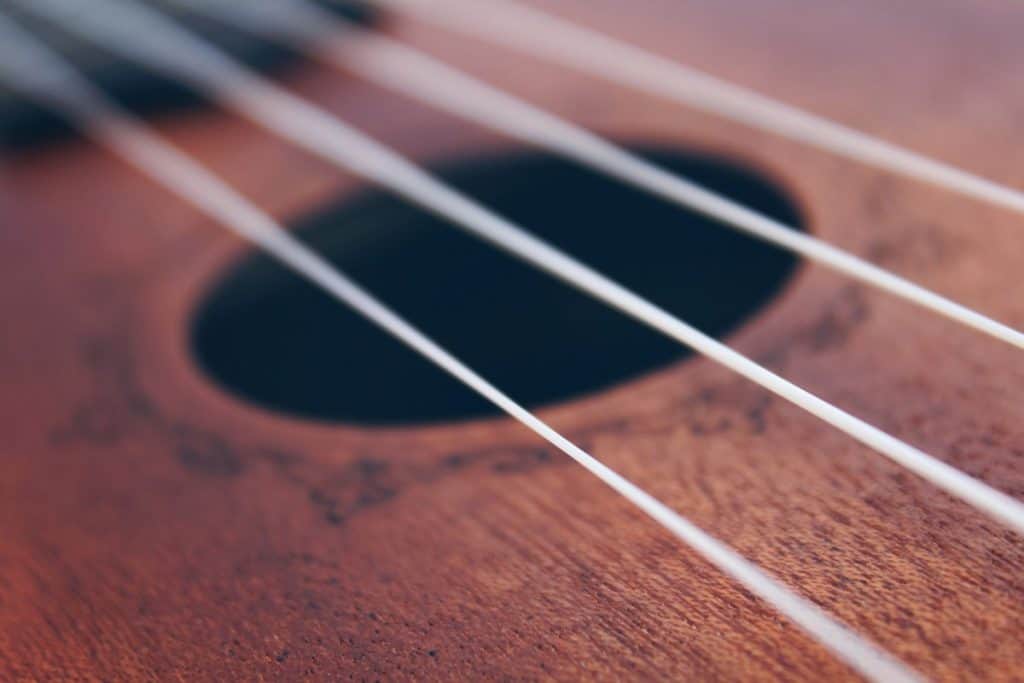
pixel 153 527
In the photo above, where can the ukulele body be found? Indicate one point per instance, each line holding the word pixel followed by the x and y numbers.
pixel 154 526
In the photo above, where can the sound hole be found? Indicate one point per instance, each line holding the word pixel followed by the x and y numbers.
pixel 279 342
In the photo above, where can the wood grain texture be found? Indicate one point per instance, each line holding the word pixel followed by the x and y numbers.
pixel 154 528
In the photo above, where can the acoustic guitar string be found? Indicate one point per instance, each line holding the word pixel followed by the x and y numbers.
pixel 415 74
pixel 43 74
pixel 541 34
pixel 144 35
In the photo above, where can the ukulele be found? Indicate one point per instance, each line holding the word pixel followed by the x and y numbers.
pixel 501 341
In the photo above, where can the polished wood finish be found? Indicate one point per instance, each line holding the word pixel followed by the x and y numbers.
pixel 154 527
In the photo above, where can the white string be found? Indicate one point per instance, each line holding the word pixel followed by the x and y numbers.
pixel 413 73
pixel 540 34
pixel 145 36
pixel 61 87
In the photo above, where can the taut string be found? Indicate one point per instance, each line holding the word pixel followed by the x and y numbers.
pixel 35 69
pixel 144 35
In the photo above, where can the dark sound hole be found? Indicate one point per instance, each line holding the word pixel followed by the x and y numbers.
pixel 276 341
